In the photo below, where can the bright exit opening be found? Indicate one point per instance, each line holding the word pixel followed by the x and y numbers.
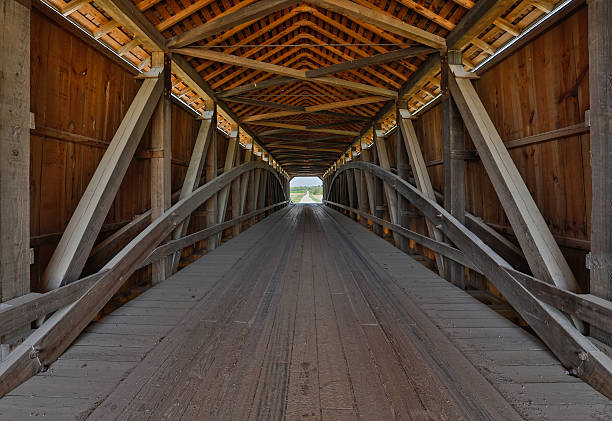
pixel 306 190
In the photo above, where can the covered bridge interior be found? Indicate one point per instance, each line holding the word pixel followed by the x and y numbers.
pixel 152 265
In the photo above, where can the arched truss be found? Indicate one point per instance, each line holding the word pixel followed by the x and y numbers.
pixel 540 304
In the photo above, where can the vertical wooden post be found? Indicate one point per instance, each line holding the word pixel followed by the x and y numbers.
pixel 379 201
pixel 246 178
pixel 161 145
pixel 452 157
pixel 403 171
pixel 600 76
pixel 211 173
pixel 236 192
pixel 14 153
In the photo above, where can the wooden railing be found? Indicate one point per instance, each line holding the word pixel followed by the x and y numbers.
pixel 77 303
pixel 541 304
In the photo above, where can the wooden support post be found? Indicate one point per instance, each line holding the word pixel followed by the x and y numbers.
pixel 244 183
pixel 600 76
pixel 538 244
pixel 77 241
pixel 236 196
pixel 194 171
pixel 403 171
pixel 379 201
pixel 254 193
pixel 14 154
pixel 390 193
pixel 230 156
pixel 161 148
pixel 211 173
pixel 454 165
pixel 370 194
pixel 421 176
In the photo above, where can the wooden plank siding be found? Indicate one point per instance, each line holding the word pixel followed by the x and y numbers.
pixel 541 87
pixel 77 90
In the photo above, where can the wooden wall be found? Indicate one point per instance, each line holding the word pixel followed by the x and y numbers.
pixel 79 97
pixel 541 87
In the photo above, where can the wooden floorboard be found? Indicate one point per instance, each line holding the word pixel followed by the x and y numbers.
pixel 306 315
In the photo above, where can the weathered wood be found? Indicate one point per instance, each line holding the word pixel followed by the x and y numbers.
pixel 600 65
pixel 246 179
pixel 421 176
pixel 194 173
pixel 454 165
pixel 388 23
pixel 230 157
pixel 235 193
pixel 270 83
pixel 369 61
pixel 574 350
pixel 281 70
pixel 390 193
pixel 403 171
pixel 587 307
pixel 176 245
pixel 211 173
pixel 161 147
pixel 71 253
pixel 50 340
pixel 315 108
pixel 540 248
pixel 215 26
pixel 14 149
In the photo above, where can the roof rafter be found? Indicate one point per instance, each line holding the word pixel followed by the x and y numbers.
pixel 281 70
pixel 238 17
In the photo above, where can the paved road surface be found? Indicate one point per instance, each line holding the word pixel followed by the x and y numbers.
pixel 307 198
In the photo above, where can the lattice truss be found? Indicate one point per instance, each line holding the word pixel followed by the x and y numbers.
pixel 304 123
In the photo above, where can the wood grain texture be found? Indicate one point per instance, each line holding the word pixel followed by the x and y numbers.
pixel 14 150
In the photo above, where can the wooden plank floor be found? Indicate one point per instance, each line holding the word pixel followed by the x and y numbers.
pixel 306 315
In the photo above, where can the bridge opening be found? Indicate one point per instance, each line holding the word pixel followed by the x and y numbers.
pixel 306 190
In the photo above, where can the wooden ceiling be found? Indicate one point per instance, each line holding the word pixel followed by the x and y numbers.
pixel 307 78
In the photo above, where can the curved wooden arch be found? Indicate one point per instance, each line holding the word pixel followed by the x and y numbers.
pixel 48 342
pixel 573 349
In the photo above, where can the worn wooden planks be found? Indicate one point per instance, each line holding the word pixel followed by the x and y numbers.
pixel 305 315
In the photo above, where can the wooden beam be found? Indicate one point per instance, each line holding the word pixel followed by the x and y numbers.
pixel 49 341
pixel 454 165
pixel 421 176
pixel 304 128
pixel 126 12
pixel 281 70
pixel 211 173
pixel 600 65
pixel 77 241
pixel 230 157
pixel 574 350
pixel 194 173
pixel 369 61
pixel 15 124
pixel 390 193
pixel 250 13
pixel 393 25
pixel 541 250
pixel 315 108
pixel 270 83
pixel 259 103
pixel 161 147
pixel 587 307
pixel 244 183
